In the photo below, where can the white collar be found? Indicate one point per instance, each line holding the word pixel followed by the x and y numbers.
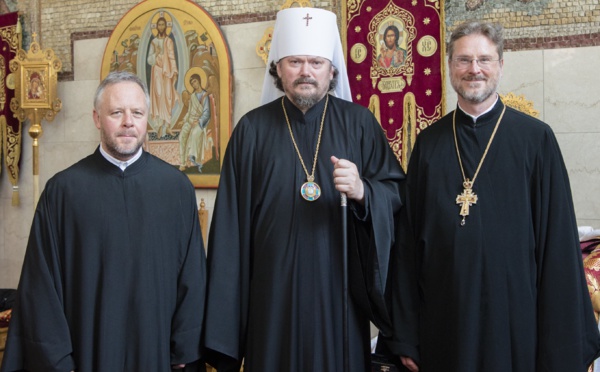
pixel 483 113
pixel 119 163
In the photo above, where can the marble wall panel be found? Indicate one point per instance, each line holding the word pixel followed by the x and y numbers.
pixel 242 40
pixel 523 74
pixel 25 182
pixel 248 67
pixel 76 116
pixel 87 56
pixel 572 89
pixel 248 88
pixel 16 222
pixel 74 122
pixel 581 153
pixel 572 108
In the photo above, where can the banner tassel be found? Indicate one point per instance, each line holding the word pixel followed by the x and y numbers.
pixel 15 196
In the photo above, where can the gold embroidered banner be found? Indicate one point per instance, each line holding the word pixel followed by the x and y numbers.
pixel 395 54
pixel 10 127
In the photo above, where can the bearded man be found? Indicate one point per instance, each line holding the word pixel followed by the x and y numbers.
pixel 489 275
pixel 275 248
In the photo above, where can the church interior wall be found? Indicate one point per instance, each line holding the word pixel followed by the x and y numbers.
pixel 549 62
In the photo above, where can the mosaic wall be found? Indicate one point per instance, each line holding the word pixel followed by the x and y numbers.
pixel 530 24
pixel 63 20
pixel 530 18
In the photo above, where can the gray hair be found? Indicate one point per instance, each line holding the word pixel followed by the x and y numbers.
pixel 493 31
pixel 116 77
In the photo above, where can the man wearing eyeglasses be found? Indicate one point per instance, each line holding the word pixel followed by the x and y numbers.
pixel 489 272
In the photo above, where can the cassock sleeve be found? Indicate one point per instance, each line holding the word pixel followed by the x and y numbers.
pixel 38 338
pixel 568 337
pixel 187 320
pixel 229 241
pixel 372 228
pixel 404 274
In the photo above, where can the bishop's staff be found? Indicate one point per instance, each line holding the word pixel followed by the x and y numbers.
pixel 34 78
pixel 344 204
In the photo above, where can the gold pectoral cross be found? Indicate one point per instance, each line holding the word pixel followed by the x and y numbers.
pixel 466 199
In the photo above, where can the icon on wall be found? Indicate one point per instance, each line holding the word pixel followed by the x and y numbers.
pixel 178 49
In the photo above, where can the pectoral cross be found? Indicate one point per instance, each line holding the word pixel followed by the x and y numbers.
pixel 466 199
pixel 308 18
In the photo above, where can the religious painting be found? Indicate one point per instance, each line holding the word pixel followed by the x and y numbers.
pixel 34 78
pixel 35 82
pixel 391 38
pixel 179 51
pixel 395 58
pixel 35 85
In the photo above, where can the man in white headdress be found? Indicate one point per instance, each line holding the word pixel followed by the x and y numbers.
pixel 275 249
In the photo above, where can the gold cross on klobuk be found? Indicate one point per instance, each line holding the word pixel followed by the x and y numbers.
pixel 308 18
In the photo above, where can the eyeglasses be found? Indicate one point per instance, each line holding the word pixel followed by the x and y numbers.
pixel 483 63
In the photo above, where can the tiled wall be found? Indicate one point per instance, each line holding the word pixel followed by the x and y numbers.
pixel 61 19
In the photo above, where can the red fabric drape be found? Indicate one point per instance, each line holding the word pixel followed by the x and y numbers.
pixel 10 127
pixel 395 55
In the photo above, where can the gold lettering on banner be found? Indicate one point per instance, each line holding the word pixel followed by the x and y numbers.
pixel 427 46
pixel 391 85
pixel 358 53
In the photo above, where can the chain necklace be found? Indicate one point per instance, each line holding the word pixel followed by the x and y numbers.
pixel 468 197
pixel 310 190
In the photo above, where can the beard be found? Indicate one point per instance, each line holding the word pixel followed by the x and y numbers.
pixel 307 99
pixel 121 151
pixel 476 95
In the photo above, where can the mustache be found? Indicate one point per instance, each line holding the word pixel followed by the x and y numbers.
pixel 305 81
pixel 128 133
pixel 475 78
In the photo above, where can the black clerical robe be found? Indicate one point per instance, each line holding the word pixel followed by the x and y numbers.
pixel 275 273
pixel 114 273
pixel 506 291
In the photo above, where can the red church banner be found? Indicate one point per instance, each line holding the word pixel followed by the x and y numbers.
pixel 395 54
pixel 10 127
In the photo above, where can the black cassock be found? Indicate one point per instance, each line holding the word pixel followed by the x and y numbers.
pixel 114 274
pixel 275 273
pixel 506 291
